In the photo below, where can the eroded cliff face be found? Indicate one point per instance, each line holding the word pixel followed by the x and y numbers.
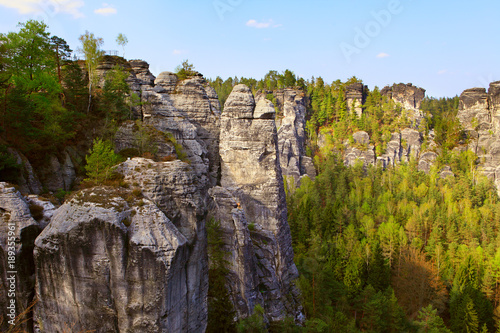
pixel 251 176
pixel 355 97
pixel 18 231
pixel 111 262
pixel 407 95
pixel 479 114
pixel 134 258
pixel 292 136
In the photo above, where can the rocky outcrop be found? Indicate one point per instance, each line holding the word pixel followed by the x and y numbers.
pixel 403 146
pixel 18 231
pixel 111 262
pixel 27 179
pixel 136 139
pixel 251 173
pixel 410 98
pixel 59 173
pixel 407 95
pixel 140 70
pixel 240 255
pixel 200 103
pixel 190 115
pixel 292 136
pixel 473 112
pixel 479 115
pixel 181 194
pixel 355 97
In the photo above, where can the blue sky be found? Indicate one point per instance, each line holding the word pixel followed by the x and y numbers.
pixel 442 46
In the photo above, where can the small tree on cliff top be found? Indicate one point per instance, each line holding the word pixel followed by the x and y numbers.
pixel 100 161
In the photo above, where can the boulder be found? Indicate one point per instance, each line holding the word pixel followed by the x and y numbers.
pixel 181 194
pixel 111 262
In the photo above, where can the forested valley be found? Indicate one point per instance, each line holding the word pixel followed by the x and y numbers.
pixel 378 249
pixel 395 249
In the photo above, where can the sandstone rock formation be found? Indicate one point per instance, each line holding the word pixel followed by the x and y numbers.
pixel 402 147
pixel 59 173
pixel 292 136
pixel 355 97
pixel 135 139
pixel 110 262
pixel 410 98
pixel 407 95
pixel 243 264
pixel 28 180
pixel 480 117
pixel 191 115
pixel 134 258
pixel 18 231
pixel 251 173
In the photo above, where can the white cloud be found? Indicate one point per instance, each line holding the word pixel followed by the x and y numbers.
pixel 262 25
pixel 177 52
pixel 443 71
pixel 47 7
pixel 106 10
pixel 383 55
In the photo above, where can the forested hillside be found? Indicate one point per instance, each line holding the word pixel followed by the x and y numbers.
pixel 49 101
pixel 395 249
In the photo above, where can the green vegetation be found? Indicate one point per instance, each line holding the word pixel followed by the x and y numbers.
pixel 100 161
pixel 122 40
pixel 220 308
pixel 397 250
pixel 185 70
pixel 393 250
pixel 271 81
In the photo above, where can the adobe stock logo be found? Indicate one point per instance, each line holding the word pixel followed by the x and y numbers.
pixel 372 29
pixel 224 6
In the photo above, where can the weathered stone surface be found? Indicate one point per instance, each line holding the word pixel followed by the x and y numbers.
pixel 357 153
pixel 18 231
pixel 479 115
pixel 190 117
pixel 407 95
pixel 241 104
pixel 446 172
pixel 473 108
pixel 412 142
pixel 393 152
pixel 292 137
pixel 197 99
pixel 106 265
pixel 426 161
pixel 181 193
pixel 238 246
pixel 251 172
pixel 355 97
pixel 41 209
pixel 141 70
pixel 106 64
pixel 130 137
pixel 59 173
pixel 28 180
pixel 401 147
pixel 167 80
pixel 361 137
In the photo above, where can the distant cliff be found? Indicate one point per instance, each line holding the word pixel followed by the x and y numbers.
pixel 479 114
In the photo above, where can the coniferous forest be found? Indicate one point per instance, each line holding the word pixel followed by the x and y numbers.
pixel 378 250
